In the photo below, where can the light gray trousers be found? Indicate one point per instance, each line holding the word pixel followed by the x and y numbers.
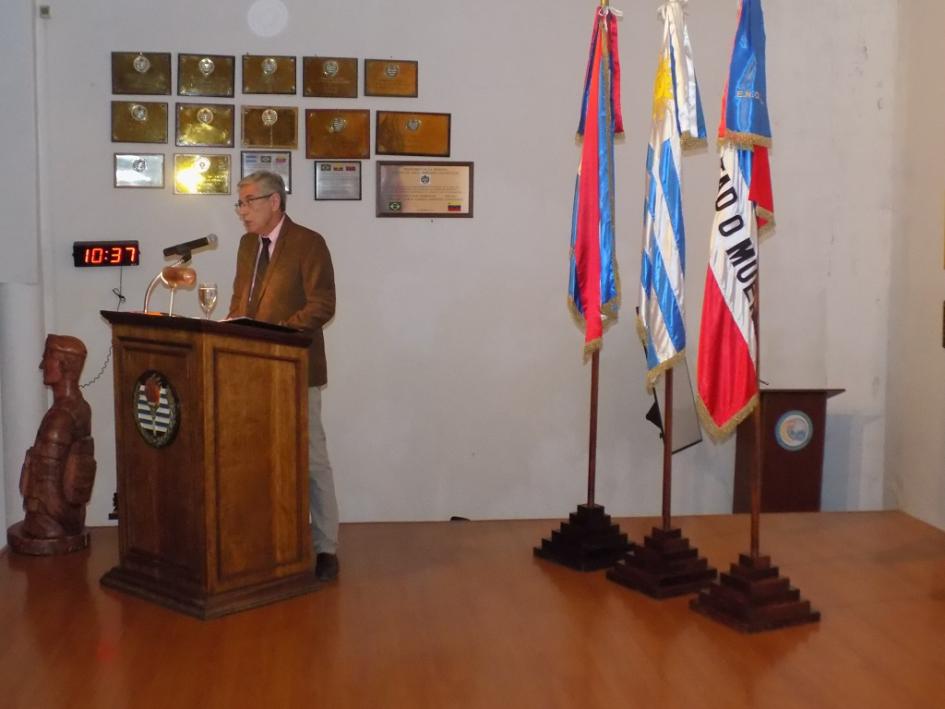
pixel 323 507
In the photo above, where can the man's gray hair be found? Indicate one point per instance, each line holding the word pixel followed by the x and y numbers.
pixel 268 182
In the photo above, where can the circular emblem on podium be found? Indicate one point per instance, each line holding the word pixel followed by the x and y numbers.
pixel 794 430
pixel 156 409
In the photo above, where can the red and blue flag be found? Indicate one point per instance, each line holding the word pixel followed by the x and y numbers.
pixel 594 284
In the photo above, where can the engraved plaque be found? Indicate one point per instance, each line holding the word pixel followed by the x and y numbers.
pixel 139 122
pixel 424 189
pixel 270 74
pixel 270 127
pixel 390 77
pixel 141 73
pixel 403 133
pixel 201 174
pixel 139 170
pixel 337 133
pixel 330 77
pixel 338 180
pixel 205 75
pixel 277 161
pixel 205 125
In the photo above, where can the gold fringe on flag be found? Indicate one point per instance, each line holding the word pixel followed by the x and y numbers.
pixel 720 434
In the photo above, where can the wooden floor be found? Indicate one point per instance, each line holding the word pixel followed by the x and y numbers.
pixel 459 614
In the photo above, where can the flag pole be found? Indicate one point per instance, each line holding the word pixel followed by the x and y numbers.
pixel 665 565
pixel 592 435
pixel 589 540
pixel 758 423
pixel 667 448
pixel 592 438
pixel 753 596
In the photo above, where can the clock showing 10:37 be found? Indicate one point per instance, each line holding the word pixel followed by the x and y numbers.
pixel 105 253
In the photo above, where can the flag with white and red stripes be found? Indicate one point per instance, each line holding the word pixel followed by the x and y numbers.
pixel 744 207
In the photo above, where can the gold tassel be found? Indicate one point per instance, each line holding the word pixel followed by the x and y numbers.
pixel 720 434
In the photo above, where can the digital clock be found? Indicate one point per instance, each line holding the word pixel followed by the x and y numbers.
pixel 105 253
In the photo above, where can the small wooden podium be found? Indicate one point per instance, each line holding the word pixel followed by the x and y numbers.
pixel 211 426
pixel 793 429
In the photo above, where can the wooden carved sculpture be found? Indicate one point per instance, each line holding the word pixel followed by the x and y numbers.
pixel 59 470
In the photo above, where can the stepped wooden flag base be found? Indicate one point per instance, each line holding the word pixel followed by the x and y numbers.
pixel 588 541
pixel 664 566
pixel 753 597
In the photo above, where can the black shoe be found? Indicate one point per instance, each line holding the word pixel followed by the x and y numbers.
pixel 326 567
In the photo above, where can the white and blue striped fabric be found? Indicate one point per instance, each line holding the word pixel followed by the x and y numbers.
pixel 677 121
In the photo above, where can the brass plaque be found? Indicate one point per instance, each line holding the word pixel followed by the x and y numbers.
pixel 424 189
pixel 201 174
pixel 337 134
pixel 205 75
pixel 269 74
pixel 141 73
pixel 139 122
pixel 330 77
pixel 403 133
pixel 270 127
pixel 205 125
pixel 390 77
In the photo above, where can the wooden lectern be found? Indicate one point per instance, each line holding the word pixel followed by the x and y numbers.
pixel 793 449
pixel 211 427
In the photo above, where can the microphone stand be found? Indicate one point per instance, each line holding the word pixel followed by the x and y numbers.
pixel 154 281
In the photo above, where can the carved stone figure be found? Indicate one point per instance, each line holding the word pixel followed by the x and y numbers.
pixel 59 470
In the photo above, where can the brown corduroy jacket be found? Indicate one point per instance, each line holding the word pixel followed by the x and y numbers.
pixel 298 289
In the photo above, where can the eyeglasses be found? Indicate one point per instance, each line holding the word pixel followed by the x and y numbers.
pixel 248 202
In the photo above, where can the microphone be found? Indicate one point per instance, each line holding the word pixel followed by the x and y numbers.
pixel 188 246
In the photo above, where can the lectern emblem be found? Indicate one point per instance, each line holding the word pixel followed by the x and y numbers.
pixel 156 409
pixel 794 430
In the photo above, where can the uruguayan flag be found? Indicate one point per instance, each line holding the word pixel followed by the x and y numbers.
pixel 677 121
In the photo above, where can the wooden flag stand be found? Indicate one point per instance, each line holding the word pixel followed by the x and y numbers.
pixel 665 565
pixel 753 596
pixel 588 541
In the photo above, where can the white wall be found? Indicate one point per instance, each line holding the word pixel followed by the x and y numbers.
pixel 916 448
pixel 3 494
pixel 21 297
pixel 455 377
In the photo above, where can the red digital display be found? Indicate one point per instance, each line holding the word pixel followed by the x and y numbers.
pixel 105 253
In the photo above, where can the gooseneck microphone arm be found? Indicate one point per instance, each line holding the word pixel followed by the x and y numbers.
pixel 154 281
pixel 183 250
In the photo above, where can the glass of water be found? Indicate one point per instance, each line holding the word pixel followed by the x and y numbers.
pixel 207 295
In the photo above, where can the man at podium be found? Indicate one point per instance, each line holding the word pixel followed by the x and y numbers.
pixel 284 276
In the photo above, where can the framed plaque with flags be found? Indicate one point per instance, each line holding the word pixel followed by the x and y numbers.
pixel 424 189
